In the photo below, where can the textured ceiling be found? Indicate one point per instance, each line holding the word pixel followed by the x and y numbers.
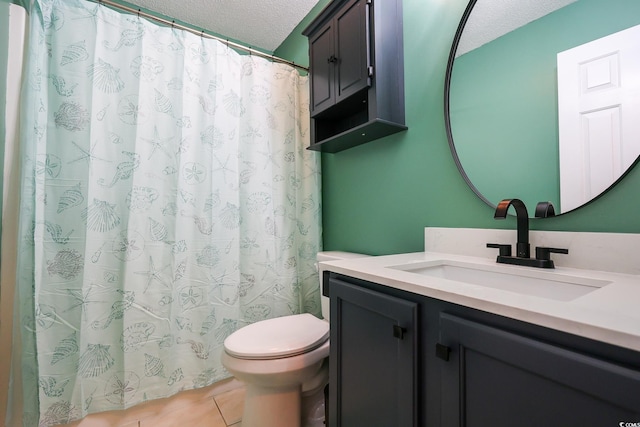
pixel 491 19
pixel 262 24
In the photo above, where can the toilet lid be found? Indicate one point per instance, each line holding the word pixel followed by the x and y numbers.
pixel 279 337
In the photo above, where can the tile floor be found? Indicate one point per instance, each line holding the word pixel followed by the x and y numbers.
pixel 230 404
pixel 219 405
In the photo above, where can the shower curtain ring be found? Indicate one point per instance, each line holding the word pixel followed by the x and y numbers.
pixel 173 24
pixel 138 13
pixel 202 34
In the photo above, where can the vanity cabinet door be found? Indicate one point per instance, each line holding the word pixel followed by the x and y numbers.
pixel 373 360
pixel 497 378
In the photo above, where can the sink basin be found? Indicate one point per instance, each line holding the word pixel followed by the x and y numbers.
pixel 544 283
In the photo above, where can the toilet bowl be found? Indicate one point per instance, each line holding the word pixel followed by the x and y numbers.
pixel 274 374
pixel 282 360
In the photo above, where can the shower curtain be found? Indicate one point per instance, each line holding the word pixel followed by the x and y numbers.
pixel 167 200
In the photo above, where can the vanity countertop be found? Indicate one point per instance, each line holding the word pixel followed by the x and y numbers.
pixel 609 314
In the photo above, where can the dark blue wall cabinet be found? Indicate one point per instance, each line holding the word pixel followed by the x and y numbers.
pixel 466 368
pixel 356 73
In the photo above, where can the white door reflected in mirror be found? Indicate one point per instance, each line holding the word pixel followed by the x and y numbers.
pixel 598 114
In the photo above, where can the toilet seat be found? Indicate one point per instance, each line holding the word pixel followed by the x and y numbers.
pixel 278 338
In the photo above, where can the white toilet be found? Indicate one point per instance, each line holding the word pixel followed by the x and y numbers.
pixel 282 362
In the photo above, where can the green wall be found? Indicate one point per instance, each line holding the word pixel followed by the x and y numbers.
pixel 491 122
pixel 378 197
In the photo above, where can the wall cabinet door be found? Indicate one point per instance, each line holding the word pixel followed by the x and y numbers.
pixel 339 54
pixel 352 49
pixel 498 378
pixel 321 48
pixel 373 360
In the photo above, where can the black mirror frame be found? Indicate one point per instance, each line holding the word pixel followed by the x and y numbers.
pixel 447 120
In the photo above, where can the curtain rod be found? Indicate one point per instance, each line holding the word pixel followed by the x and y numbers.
pixel 199 33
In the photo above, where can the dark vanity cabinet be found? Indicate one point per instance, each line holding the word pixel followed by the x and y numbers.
pixel 456 366
pixel 499 378
pixel 374 342
pixel 356 66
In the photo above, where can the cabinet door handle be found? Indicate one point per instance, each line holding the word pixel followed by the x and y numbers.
pixel 332 59
pixel 443 352
pixel 398 331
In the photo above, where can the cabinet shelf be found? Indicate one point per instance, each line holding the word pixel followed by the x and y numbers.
pixel 365 132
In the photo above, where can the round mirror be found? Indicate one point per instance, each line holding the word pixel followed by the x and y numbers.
pixel 542 98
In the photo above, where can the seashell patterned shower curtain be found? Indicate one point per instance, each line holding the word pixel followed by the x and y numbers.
pixel 167 201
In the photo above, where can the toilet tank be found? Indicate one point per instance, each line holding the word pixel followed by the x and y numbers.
pixel 332 256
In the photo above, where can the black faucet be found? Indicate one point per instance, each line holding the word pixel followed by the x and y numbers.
pixel 542 259
pixel 522 245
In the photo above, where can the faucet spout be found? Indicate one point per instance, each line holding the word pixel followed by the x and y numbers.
pixel 522 217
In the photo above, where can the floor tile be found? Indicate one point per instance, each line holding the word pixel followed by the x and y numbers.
pixel 231 404
pixel 223 386
pixel 203 414
pixel 192 408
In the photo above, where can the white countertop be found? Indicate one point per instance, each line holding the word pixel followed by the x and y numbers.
pixel 610 314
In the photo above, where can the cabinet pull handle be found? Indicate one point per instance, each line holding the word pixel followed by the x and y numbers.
pixel 332 59
pixel 443 352
pixel 398 331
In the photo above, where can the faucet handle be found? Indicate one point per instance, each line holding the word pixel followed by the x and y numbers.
pixel 545 210
pixel 505 250
pixel 544 253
